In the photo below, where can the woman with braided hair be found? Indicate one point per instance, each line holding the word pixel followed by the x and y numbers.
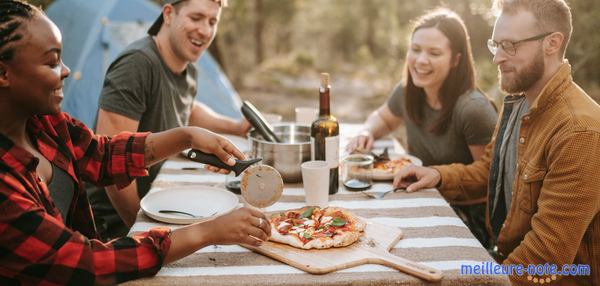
pixel 47 233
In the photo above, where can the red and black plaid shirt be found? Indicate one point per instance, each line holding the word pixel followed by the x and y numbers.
pixel 36 245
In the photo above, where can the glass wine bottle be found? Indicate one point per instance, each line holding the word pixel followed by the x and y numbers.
pixel 324 132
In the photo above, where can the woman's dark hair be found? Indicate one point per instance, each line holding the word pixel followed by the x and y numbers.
pixel 460 79
pixel 12 14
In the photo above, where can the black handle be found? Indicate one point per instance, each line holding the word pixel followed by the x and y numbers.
pixel 210 159
pixel 259 122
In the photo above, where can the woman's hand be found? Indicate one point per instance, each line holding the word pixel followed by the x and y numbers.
pixel 362 142
pixel 241 226
pixel 379 123
pixel 212 143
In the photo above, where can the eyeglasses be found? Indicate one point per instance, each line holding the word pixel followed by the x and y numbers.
pixel 510 47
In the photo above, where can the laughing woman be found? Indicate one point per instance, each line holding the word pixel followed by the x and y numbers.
pixel 447 118
pixel 47 233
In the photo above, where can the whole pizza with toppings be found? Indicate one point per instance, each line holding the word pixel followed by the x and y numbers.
pixel 313 227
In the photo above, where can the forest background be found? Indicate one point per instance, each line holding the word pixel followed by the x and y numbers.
pixel 273 50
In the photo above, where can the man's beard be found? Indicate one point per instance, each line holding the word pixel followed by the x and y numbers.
pixel 523 80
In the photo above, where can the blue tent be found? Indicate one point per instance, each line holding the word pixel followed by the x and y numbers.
pixel 95 31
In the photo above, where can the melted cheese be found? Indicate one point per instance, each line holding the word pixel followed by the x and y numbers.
pixel 282 225
pixel 309 222
pixel 326 219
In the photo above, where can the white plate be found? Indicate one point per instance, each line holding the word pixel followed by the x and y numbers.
pixel 380 175
pixel 202 201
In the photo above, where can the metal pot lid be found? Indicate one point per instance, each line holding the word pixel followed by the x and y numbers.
pixel 261 185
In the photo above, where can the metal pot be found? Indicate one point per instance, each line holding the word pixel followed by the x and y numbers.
pixel 286 156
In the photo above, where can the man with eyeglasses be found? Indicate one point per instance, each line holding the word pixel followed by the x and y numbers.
pixel 151 86
pixel 541 168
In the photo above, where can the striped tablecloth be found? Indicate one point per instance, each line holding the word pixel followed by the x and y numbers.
pixel 433 235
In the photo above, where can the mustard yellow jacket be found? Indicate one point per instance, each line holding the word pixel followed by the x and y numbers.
pixel 554 215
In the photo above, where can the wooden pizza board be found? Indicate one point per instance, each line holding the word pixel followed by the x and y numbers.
pixel 372 248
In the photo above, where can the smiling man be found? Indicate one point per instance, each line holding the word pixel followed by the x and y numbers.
pixel 151 86
pixel 540 169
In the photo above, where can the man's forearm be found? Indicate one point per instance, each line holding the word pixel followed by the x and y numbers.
pixel 204 117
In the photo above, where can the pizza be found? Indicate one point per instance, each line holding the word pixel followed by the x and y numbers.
pixel 313 227
pixel 391 166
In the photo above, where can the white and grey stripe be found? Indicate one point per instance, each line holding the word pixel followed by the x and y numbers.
pixel 433 235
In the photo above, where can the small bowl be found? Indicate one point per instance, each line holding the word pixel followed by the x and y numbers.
pixel 357 171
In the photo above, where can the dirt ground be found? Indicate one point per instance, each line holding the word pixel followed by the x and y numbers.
pixel 351 100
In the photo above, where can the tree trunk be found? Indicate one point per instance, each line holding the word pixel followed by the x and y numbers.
pixel 258 31
pixel 371 14
pixel 215 52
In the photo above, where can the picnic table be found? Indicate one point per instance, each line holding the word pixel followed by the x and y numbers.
pixel 433 236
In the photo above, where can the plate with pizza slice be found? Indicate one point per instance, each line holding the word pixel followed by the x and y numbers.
pixel 384 170
pixel 316 228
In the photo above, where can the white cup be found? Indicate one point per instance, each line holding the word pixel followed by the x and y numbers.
pixel 315 176
pixel 306 115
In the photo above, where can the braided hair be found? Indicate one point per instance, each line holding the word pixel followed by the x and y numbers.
pixel 12 14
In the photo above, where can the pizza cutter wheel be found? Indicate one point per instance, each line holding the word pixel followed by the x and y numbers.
pixel 261 185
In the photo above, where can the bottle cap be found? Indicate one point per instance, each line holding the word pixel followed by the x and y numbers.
pixel 324 79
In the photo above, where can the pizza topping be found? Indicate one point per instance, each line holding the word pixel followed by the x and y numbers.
pixel 283 225
pixel 317 213
pixel 313 223
pixel 295 222
pixel 392 165
pixel 309 222
pixel 338 221
pixel 326 219
pixel 292 215
pixel 307 213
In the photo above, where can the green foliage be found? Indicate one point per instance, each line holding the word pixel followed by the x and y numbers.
pixel 40 3
pixel 366 39
pixel 583 48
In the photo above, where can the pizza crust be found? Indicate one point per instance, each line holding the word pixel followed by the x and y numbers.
pixel 285 239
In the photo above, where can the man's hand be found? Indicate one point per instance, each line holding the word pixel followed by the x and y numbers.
pixel 244 225
pixel 364 141
pixel 243 126
pixel 414 178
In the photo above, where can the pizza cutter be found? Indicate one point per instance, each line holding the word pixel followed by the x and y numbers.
pixel 261 185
